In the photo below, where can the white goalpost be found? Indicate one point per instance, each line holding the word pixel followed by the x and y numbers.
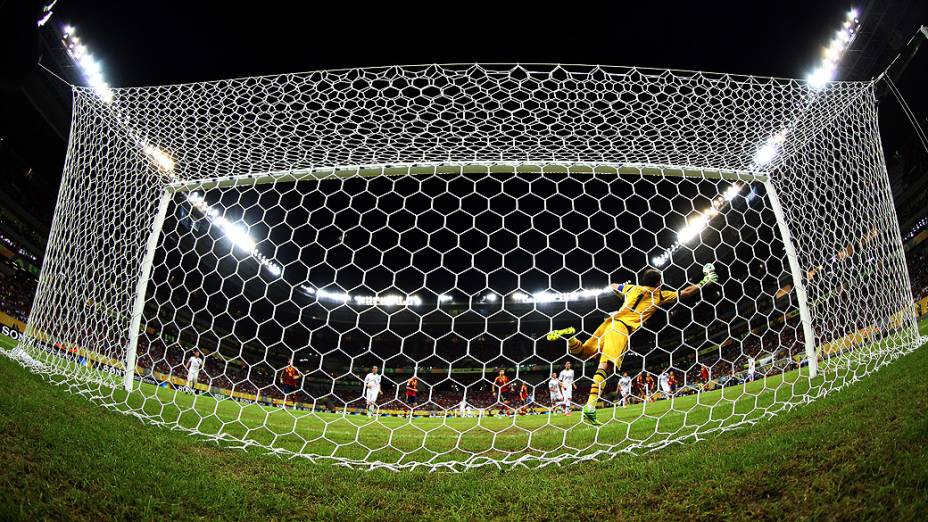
pixel 802 300
pixel 233 258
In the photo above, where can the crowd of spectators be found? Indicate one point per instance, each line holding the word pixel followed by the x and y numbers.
pixel 17 291
pixel 918 272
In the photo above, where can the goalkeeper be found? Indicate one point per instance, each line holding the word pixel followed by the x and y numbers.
pixel 611 338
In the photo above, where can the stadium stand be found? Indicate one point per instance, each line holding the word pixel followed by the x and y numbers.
pixel 16 293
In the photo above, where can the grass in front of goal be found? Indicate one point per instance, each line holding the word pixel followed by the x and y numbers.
pixel 861 453
pixel 436 439
pixel 403 440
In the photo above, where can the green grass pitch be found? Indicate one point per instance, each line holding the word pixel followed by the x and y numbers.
pixel 861 453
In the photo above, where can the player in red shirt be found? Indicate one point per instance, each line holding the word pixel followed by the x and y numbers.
pixel 501 388
pixel 523 398
pixel 289 381
pixel 638 384
pixel 704 374
pixel 412 392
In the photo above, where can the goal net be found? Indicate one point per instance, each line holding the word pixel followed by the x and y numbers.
pixel 233 258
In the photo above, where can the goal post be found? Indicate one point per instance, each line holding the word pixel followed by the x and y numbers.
pixel 135 318
pixel 438 222
pixel 799 285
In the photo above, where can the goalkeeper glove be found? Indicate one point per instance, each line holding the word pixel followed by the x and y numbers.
pixel 709 275
pixel 617 289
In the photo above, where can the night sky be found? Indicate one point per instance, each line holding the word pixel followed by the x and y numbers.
pixel 173 42
pixel 176 42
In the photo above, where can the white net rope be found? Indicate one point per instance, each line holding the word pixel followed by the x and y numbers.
pixel 251 248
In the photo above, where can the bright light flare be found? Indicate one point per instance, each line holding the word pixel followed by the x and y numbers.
pixel 332 296
pixel 90 68
pixel 562 297
pixel 387 300
pixel 732 192
pixel 820 77
pixel 161 158
pixel 693 228
pixel 765 154
pixel 237 235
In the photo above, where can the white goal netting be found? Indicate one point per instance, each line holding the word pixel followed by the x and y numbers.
pixel 250 249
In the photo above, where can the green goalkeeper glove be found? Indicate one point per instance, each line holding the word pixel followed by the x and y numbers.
pixel 709 275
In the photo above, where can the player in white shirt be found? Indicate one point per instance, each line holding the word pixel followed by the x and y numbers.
pixel 193 370
pixel 625 389
pixel 664 380
pixel 752 368
pixel 554 390
pixel 567 386
pixel 372 390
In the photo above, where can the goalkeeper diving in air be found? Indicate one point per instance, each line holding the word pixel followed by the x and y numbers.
pixel 611 338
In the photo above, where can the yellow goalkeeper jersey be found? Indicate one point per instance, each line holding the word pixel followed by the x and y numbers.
pixel 640 304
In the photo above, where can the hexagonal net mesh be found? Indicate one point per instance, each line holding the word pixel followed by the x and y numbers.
pixel 251 248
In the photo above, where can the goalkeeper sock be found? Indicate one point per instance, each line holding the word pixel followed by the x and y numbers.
pixel 574 346
pixel 598 380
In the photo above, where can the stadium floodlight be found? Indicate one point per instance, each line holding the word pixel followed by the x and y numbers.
pixel 825 72
pixel 543 297
pixel 820 77
pixel 766 153
pixel 332 296
pixel 732 191
pixel 90 68
pixel 233 232
pixel 162 159
pixel 237 235
pixel 692 229
pixel 46 13
pixel 444 298
pixel 44 19
pixel 361 199
pixel 563 297
pixel 389 300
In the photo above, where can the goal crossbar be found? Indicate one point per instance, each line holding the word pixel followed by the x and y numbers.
pixel 474 167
